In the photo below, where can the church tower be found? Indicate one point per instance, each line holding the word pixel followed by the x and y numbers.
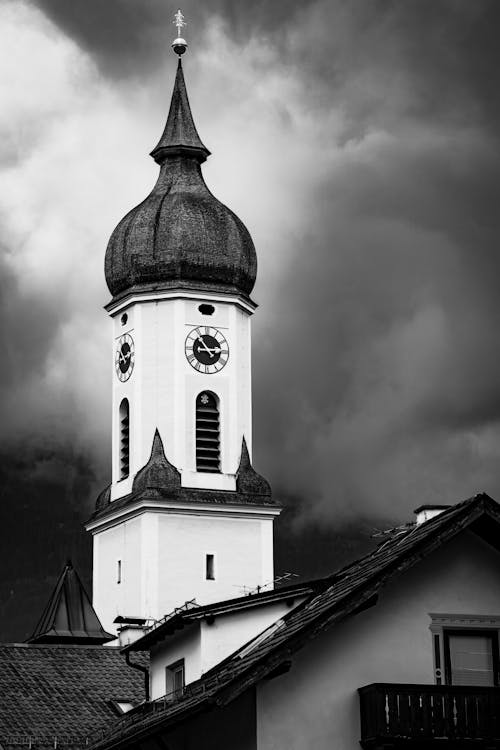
pixel 186 516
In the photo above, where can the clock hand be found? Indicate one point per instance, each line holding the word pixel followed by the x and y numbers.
pixel 202 343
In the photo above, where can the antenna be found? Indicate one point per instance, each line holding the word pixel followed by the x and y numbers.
pixel 248 591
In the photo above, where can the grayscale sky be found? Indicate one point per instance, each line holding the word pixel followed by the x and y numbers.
pixel 359 141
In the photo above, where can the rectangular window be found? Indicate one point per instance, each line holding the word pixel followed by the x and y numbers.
pixel 210 568
pixel 174 679
pixel 119 571
pixel 471 657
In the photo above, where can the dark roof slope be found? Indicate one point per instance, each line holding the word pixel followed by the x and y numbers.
pixel 62 692
pixel 69 616
pixel 350 590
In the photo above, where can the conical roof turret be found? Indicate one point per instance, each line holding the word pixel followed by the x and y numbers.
pixel 180 235
pixel 69 616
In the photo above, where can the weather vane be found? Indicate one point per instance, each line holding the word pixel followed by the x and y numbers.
pixel 179 45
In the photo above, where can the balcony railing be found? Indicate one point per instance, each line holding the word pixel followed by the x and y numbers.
pixel 428 715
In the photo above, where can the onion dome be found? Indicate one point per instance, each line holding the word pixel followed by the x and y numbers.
pixel 180 235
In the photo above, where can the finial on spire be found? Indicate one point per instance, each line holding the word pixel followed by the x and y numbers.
pixel 179 45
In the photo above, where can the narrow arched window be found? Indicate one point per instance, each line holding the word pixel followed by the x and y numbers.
pixel 207 432
pixel 124 439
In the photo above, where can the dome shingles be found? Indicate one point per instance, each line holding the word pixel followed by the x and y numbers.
pixel 181 235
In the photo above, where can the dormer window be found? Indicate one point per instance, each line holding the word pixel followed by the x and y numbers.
pixel 207 432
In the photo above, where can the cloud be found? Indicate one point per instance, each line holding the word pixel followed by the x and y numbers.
pixel 358 142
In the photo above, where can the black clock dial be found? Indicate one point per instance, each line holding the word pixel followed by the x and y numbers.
pixel 124 357
pixel 206 350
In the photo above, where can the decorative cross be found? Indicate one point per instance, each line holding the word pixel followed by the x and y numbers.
pixel 179 22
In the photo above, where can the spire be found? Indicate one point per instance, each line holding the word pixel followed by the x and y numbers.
pixel 158 473
pixel 180 135
pixel 69 616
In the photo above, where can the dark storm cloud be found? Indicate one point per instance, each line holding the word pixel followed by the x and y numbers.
pixel 447 50
pixel 126 37
pixel 376 341
pixel 386 351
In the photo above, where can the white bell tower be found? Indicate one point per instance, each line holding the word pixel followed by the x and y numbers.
pixel 186 516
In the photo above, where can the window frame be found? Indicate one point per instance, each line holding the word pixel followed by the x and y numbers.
pixel 210 556
pixel 171 670
pixel 461 624
pixel 218 406
pixel 124 453
pixel 490 633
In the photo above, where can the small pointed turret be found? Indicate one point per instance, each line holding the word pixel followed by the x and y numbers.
pixel 248 481
pixel 158 473
pixel 69 616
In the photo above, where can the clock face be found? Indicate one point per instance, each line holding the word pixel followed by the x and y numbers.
pixel 124 357
pixel 207 350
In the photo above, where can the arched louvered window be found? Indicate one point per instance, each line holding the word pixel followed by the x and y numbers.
pixel 124 439
pixel 207 432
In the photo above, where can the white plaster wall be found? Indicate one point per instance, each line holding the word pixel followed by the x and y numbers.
pixel 316 704
pixel 229 632
pixel 203 646
pixel 239 547
pixel 185 645
pixel 163 558
pixel 110 598
pixel 163 387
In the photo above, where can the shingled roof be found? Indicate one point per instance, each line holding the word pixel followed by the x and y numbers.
pixel 55 696
pixel 348 591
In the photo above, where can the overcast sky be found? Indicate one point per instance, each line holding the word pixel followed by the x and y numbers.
pixel 359 142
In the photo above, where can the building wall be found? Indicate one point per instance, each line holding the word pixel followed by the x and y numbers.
pixel 111 598
pixel 184 645
pixel 163 561
pixel 163 387
pixel 242 561
pixel 203 646
pixel 316 704
pixel 230 632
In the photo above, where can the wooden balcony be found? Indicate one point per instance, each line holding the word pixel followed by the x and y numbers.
pixel 429 716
